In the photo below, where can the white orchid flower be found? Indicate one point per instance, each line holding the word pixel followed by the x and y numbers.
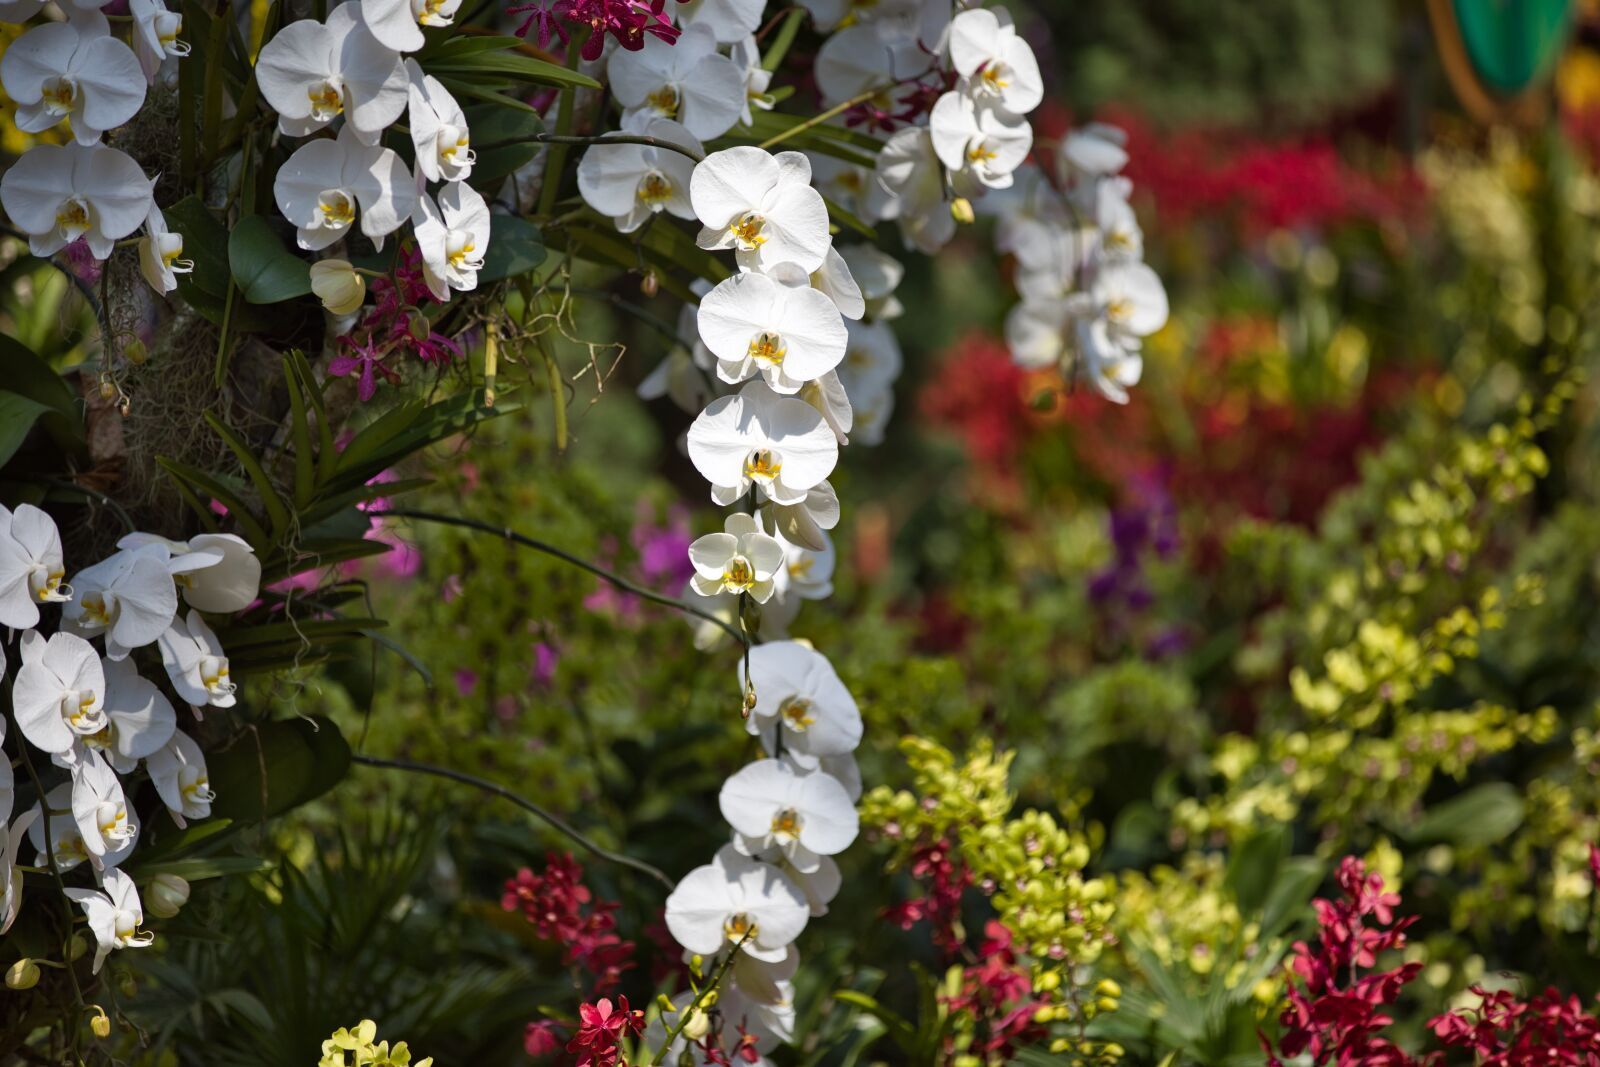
pixel 195 663
pixel 129 597
pixel 1104 327
pixel 1097 150
pixel 789 335
pixel 100 808
pixel 729 21
pixel 780 445
pixel 16 11
pixel 453 236
pixel 804 521
pixel 871 364
pixel 399 23
pixel 1113 364
pixel 1130 298
pixel 10 874
pixel 881 55
pixel 58 193
pixel 801 702
pixel 843 769
pixel 686 1047
pixel 910 170
pixel 708 636
pixel 312 72
pixel 688 81
pixel 1027 212
pixel 321 186
pixel 215 572
pixel 998 65
pixel 773 804
pixel 139 719
pixel 850 185
pixel 439 133
pixel 59 692
pixel 762 206
pixel 877 275
pixel 820 886
pixel 161 252
pixel 31 566
pixel 978 139
pixel 746 55
pixel 835 279
pixel 178 771
pixel 155 35
pixel 1121 238
pixel 72 70
pixel 736 901
pixel 632 182
pixel 740 559
pixel 115 915
pixel 67 847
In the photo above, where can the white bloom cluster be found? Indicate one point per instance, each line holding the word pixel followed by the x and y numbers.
pixel 1087 294
pixel 92 713
pixel 791 814
pixel 348 68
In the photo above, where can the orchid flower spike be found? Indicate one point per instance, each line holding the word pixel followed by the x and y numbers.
pixel 800 704
pixel 453 236
pixel 72 70
pixel 31 565
pixel 773 804
pixel 312 72
pixel 322 185
pixel 58 193
pixel 741 559
pixel 762 206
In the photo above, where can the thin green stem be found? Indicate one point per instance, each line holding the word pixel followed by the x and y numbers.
pixel 555 821
pixel 786 34
pixel 50 854
pixel 617 580
pixel 557 159
pixel 687 1014
pixel 818 120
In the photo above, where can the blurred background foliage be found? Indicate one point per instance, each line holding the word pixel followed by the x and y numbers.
pixel 1330 583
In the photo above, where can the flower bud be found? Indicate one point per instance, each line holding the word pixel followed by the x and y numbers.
pixel 697 1025
pixel 24 974
pixel 107 389
pixel 961 210
pixel 101 1023
pixel 165 895
pixel 651 285
pixel 417 324
pixel 337 285
pixel 126 985
pixel 136 352
pixel 77 947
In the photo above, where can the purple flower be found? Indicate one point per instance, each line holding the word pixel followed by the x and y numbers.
pixel 466 681
pixel 626 20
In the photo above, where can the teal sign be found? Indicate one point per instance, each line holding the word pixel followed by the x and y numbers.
pixel 1512 44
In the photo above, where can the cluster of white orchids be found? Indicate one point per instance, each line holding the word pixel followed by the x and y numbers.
pixel 1088 298
pixel 77 698
pixel 346 72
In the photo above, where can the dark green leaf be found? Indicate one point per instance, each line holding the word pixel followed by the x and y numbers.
pixel 205 241
pixel 494 125
pixel 1482 815
pixel 511 65
pixel 515 247
pixel 17 416
pixel 1254 866
pixel 302 759
pixel 265 271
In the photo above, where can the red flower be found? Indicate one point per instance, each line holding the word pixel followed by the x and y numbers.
pixel 562 909
pixel 540 1038
pixel 600 1027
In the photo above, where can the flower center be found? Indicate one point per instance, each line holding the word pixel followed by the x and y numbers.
pixel 171 247
pixel 993 77
pixel 981 153
pixel 461 252
pixel 654 189
pixel 768 349
pixel 801 568
pixel 327 100
pixel 46 585
pixel 112 820
pixel 740 926
pixel 195 787
pixel 737 575
pixel 796 713
pixel 1118 310
pixel 747 231
pixel 336 208
pixel 664 101
pixel 96 612
pixel 105 739
pixel 69 847
pixel 432 12
pixel 72 218
pixel 763 465
pixel 455 146
pixel 168 25
pixel 214 675
pixel 59 94
pixel 79 711
pixel 786 825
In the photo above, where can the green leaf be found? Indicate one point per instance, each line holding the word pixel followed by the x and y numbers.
pixel 515 247
pixel 462 45
pixel 17 416
pixel 300 759
pixel 904 1034
pixel 1254 866
pixel 493 125
pixel 266 272
pixel 511 65
pixel 203 867
pixel 277 510
pixel 1482 815
pixel 849 220
pixel 1290 895
pixel 406 430
pixel 205 241
pixel 200 483
pixel 479 91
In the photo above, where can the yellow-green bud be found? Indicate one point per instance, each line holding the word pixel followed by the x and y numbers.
pixel 136 352
pixel 77 947
pixel 697 1025
pixel 165 895
pixel 24 974
pixel 337 285
pixel 417 324
pixel 101 1023
pixel 961 210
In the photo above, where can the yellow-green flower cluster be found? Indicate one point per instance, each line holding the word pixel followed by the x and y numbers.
pixel 357 1047
pixel 1032 866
